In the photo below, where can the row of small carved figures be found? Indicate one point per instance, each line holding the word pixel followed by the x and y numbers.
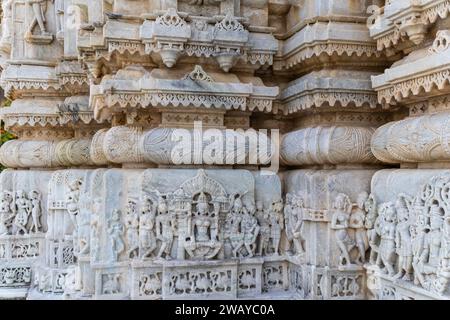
pixel 20 213
pixel 410 240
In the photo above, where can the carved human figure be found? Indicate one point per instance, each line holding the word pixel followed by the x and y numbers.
pixel 36 211
pixel 276 225
pixel 132 229
pixel 233 230
pixel 262 216
pixel 202 223
pixel 357 219
pixel 371 223
pixel 23 211
pixel 72 201
pixel 59 13
pixel 39 9
pixel 340 223
pixel 7 21
pixel 387 244
pixel 165 229
pixel 94 228
pixel 116 231
pixel 429 260
pixel 403 241
pixel 6 212
pixel 250 229
pixel 147 237
pixel 297 223
pixel 420 230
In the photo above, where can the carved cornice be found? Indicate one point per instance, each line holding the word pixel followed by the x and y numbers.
pixel 401 20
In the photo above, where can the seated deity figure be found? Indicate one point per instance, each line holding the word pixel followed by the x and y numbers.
pixel 202 239
pixel 6 212
pixel 147 236
pixel 39 9
pixel 430 256
pixel 35 199
pixel 165 228
pixel 276 225
pixel 23 211
pixel 387 244
pixel 250 228
pixel 403 241
pixel 356 222
pixel 340 223
pixel 132 229
pixel 262 216
pixel 116 231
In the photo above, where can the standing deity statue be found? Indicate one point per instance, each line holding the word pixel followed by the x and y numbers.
pixel 132 229
pixel 430 256
pixel 7 24
pixel 418 234
pixel 6 212
pixel 165 228
pixel 340 223
pixel 371 224
pixel 403 240
pixel 264 232
pixel 147 237
pixel 36 211
pixel 250 229
pixel 72 201
pixel 297 223
pixel 116 231
pixel 59 12
pixel 276 225
pixel 233 230
pixel 387 244
pixel 357 219
pixel 23 211
pixel 39 9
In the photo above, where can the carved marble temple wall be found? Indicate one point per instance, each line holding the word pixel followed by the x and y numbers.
pixel 351 98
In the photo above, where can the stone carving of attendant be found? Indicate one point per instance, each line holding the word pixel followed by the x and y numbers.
pixel 147 237
pixel 132 230
pixel 403 241
pixel 429 260
pixel 165 229
pixel 276 225
pixel 357 219
pixel 387 244
pixel 59 12
pixel 23 211
pixel 36 212
pixel 421 229
pixel 297 223
pixel 39 9
pixel 233 226
pixel 116 231
pixel 250 228
pixel 72 201
pixel 371 223
pixel 6 212
pixel 264 232
pixel 340 223
pixel 7 21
